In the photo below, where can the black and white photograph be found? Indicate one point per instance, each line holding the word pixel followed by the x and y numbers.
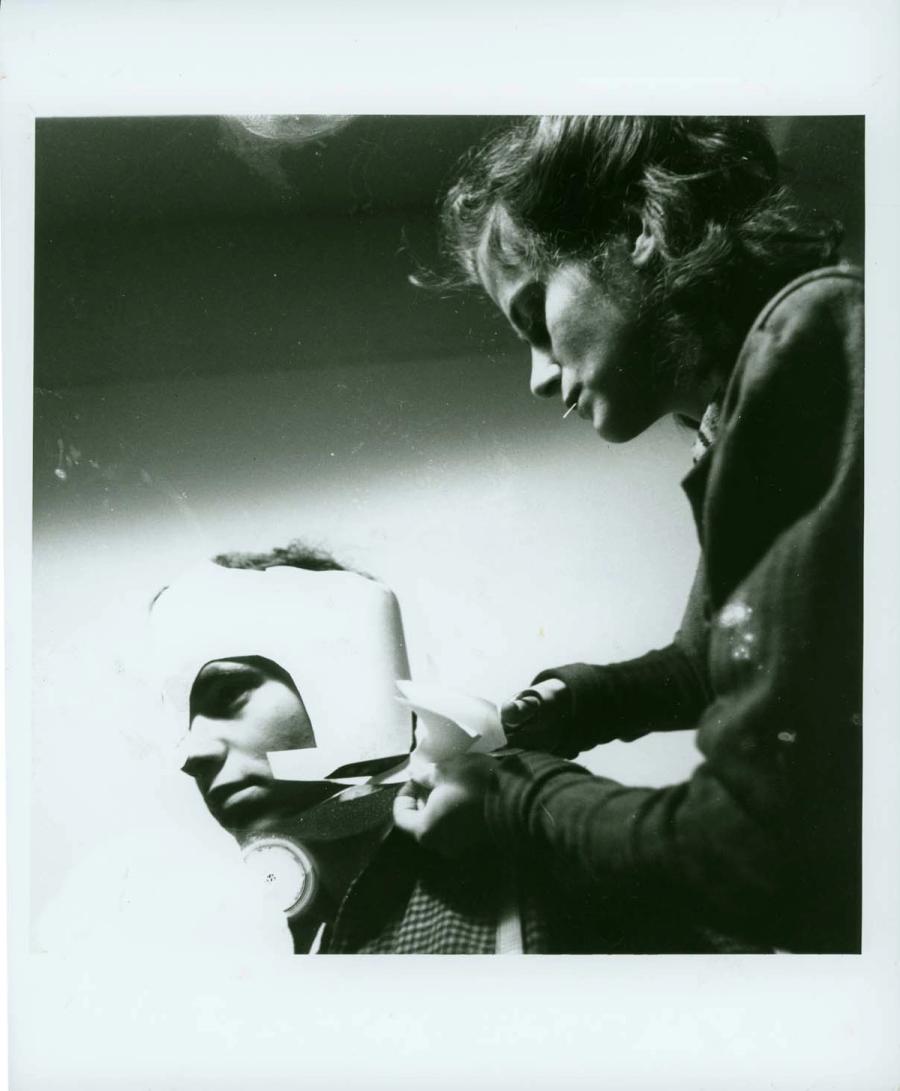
pixel 446 533
pixel 262 343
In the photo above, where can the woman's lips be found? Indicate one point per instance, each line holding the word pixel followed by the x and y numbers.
pixel 580 403
pixel 230 797
pixel 243 795
pixel 571 403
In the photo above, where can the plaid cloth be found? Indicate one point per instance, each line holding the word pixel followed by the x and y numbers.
pixel 408 901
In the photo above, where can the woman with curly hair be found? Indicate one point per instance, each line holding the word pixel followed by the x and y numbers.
pixel 655 266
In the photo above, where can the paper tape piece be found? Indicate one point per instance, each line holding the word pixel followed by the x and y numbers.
pixel 448 723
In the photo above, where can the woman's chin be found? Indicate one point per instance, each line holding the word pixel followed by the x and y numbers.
pixel 618 427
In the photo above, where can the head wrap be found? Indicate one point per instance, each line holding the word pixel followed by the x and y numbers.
pixel 338 635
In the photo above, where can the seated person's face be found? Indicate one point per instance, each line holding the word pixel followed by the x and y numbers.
pixel 239 710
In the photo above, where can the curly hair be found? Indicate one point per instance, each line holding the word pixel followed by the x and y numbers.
pixel 296 554
pixel 727 234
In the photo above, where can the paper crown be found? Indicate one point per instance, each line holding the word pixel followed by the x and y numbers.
pixel 338 634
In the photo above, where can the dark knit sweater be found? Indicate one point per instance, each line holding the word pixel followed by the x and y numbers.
pixel 763 842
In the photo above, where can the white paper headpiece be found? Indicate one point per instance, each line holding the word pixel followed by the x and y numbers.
pixel 338 634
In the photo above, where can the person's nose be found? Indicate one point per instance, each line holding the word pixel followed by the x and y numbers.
pixel 545 374
pixel 204 749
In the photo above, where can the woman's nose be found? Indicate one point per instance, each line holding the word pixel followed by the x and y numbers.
pixel 545 374
pixel 203 748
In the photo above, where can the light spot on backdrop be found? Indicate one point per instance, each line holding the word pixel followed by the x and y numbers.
pixel 260 140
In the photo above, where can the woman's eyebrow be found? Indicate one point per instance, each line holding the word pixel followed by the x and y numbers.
pixel 210 675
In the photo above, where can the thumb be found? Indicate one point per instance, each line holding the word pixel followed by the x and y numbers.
pixel 520 709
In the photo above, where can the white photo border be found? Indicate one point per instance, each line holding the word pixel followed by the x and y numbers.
pixel 670 1021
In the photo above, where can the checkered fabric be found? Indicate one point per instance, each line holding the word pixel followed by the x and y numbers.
pixel 408 901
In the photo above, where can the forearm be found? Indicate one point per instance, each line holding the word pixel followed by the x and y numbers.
pixel 686 850
pixel 660 691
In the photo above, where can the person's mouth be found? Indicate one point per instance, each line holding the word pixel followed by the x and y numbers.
pixel 236 795
pixel 579 402
pixel 571 403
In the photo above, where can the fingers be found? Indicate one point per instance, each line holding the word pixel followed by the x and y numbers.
pixel 409 804
pixel 410 795
pixel 549 689
pixel 530 736
pixel 410 801
pixel 520 709
pixel 447 815
pixel 526 705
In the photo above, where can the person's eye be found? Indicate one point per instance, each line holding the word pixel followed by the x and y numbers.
pixel 229 696
pixel 529 319
pixel 224 697
pixel 537 333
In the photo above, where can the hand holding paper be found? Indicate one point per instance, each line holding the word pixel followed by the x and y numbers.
pixel 450 771
pixel 444 808
pixel 448 724
pixel 540 717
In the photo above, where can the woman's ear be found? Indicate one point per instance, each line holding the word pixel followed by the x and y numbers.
pixel 643 244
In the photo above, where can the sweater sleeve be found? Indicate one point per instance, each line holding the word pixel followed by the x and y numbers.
pixel 763 840
pixel 663 690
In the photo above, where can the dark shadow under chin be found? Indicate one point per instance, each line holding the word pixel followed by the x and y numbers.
pixel 313 811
